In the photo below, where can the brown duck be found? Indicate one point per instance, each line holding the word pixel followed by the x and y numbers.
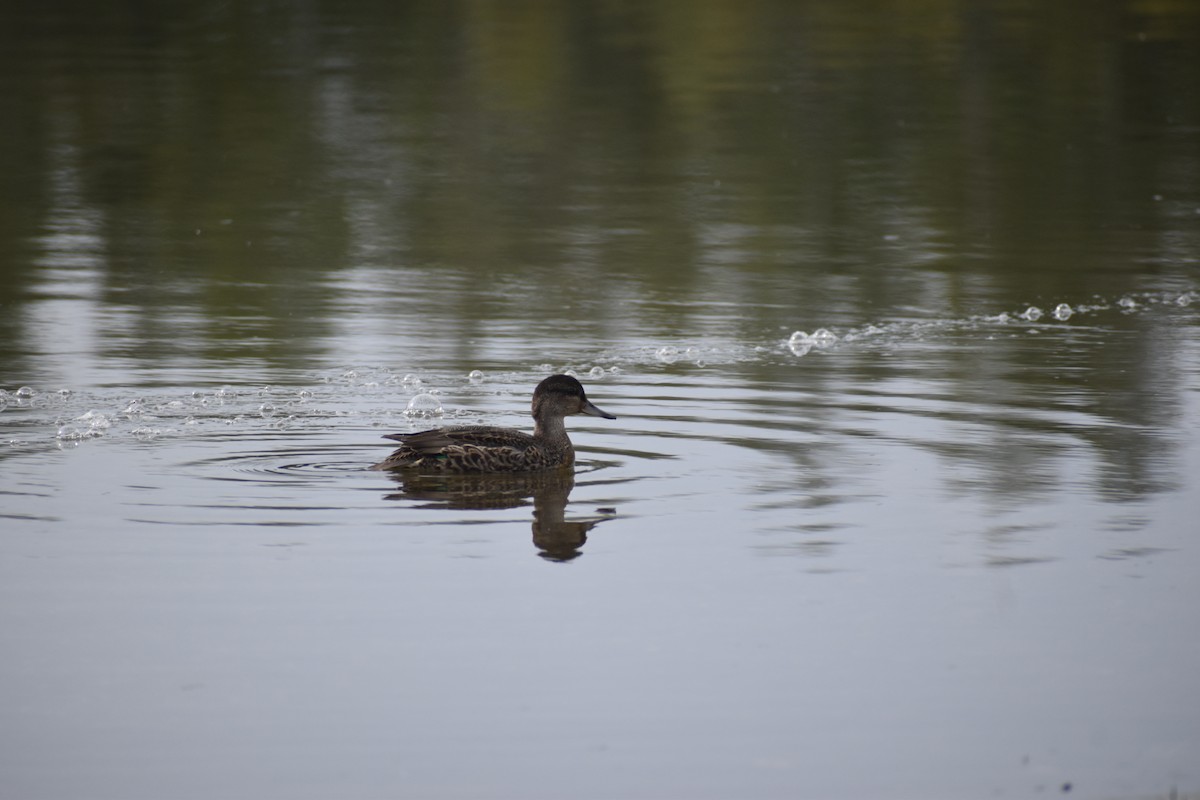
pixel 482 448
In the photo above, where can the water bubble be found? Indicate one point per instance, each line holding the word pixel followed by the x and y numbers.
pixel 1063 311
pixel 423 406
pixel 475 376
pixel 410 380
pixel 596 372
pixel 305 394
pixel 1032 313
pixel 615 370
pixel 69 433
pixel 822 337
pixel 1185 299
pixel 799 343
pixel 64 393
pixel 667 354
pixel 266 410
pixel 24 392
pixel 1127 302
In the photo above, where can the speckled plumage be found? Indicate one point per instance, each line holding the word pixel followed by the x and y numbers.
pixel 482 448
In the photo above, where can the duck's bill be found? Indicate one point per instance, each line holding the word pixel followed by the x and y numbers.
pixel 592 411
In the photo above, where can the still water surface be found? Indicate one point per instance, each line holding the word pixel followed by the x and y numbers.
pixel 898 314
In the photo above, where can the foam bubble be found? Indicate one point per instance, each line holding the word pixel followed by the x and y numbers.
pixel 95 419
pixel 89 425
pixel 667 354
pixel 146 433
pixel 800 343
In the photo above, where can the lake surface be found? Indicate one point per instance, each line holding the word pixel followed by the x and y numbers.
pixel 897 307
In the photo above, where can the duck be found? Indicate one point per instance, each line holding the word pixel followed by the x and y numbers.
pixel 479 449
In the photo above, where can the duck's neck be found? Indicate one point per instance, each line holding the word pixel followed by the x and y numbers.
pixel 552 429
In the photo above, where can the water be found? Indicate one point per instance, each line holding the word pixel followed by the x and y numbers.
pixel 897 313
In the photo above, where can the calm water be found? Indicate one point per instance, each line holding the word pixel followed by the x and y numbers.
pixel 897 308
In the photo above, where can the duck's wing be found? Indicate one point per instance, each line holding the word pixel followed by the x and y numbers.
pixel 476 436
pixel 425 441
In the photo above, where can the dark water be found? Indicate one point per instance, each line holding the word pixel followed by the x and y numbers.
pixel 897 306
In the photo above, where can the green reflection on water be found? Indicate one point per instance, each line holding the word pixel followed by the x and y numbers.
pixel 213 171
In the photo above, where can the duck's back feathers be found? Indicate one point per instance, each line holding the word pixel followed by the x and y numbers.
pixel 473 448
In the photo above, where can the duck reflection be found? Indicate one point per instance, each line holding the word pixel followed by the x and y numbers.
pixel 555 537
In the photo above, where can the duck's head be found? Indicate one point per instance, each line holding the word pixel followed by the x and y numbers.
pixel 562 395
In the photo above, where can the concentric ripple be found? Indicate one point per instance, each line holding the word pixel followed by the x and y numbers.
pixel 311 464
